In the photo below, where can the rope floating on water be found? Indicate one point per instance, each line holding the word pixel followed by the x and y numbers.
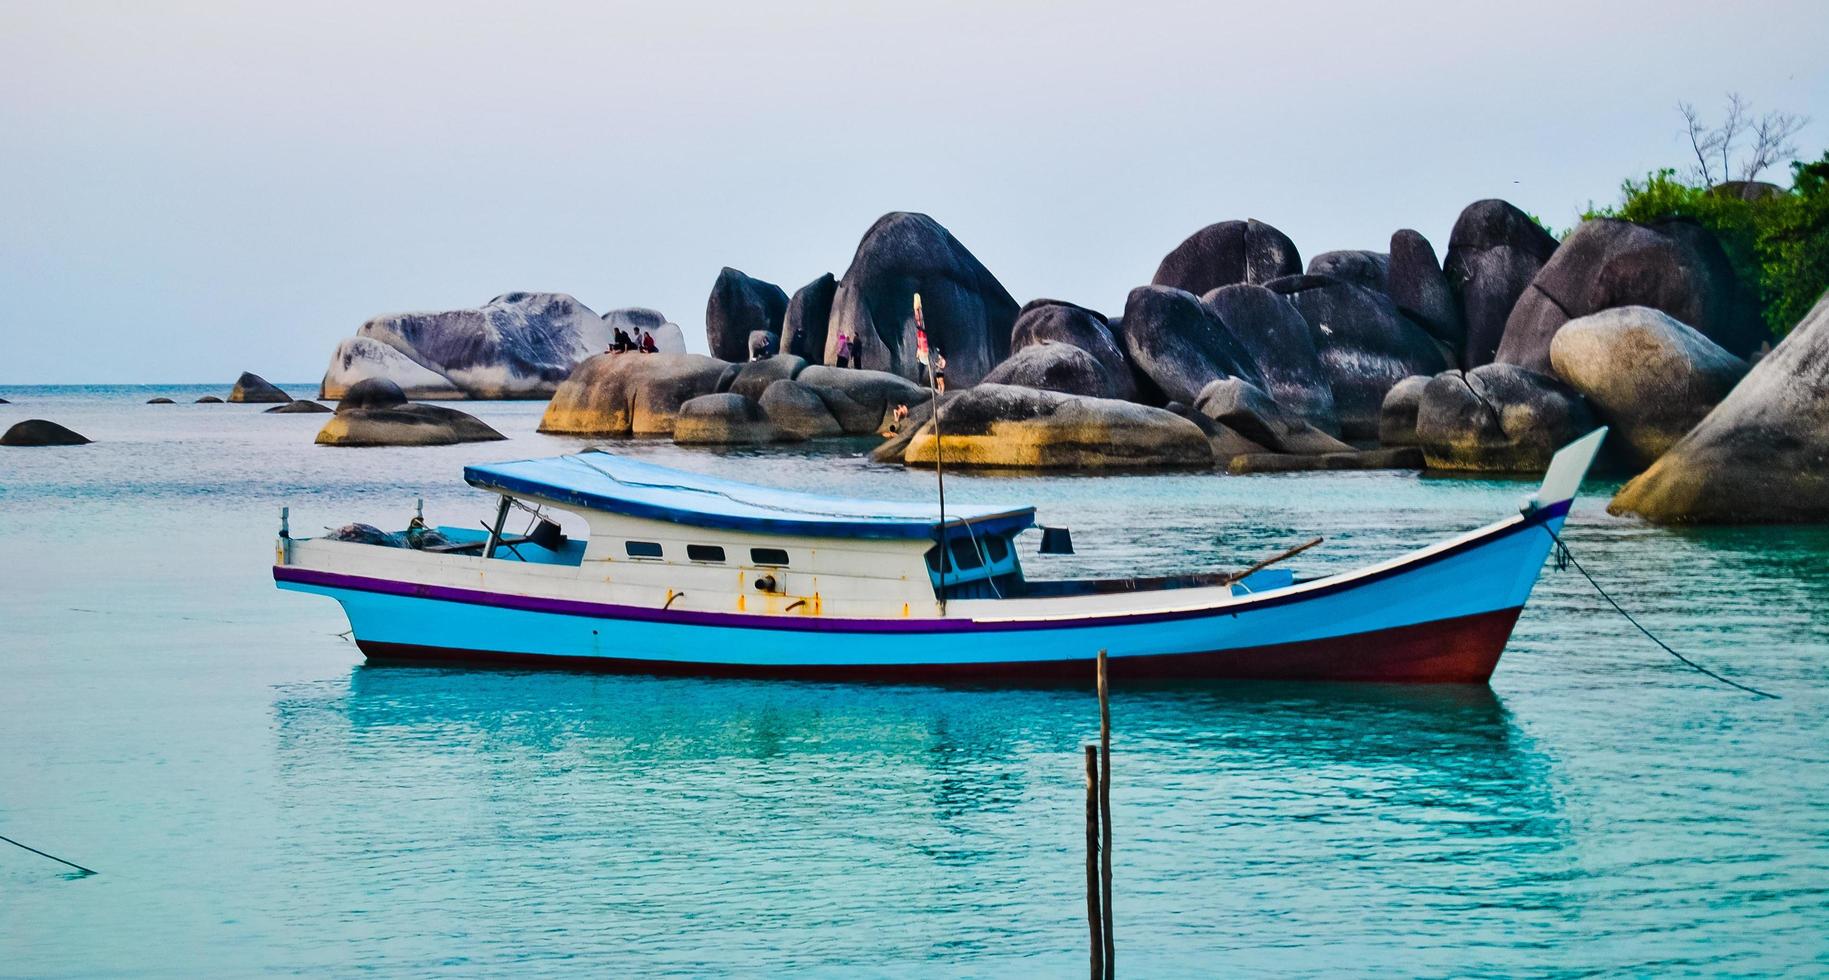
pixel 1563 554
pixel 34 850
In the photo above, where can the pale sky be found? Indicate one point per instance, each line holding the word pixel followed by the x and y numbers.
pixel 190 190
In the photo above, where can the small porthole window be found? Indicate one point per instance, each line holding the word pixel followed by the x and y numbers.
pixel 704 552
pixel 642 549
pixel 768 556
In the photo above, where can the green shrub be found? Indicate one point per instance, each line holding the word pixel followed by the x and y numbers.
pixel 1778 245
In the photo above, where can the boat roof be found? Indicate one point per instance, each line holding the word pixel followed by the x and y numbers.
pixel 604 481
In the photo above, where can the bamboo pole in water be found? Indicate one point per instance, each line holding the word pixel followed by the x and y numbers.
pixel 1094 922
pixel 1105 815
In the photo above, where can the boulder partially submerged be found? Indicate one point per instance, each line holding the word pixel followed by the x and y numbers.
pixel 798 411
pixel 726 419
pixel 375 412
pixel 1762 455
pixel 299 406
pixel 1498 418
pixel 1402 458
pixel 1649 377
pixel 967 311
pixel 41 432
pixel 209 400
pixel 252 388
pixel 632 394
pixel 162 400
pixel 863 402
pixel 1002 426
pixel 359 358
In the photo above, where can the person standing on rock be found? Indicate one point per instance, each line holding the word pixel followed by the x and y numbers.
pixel 939 371
pixel 921 346
pixel 844 349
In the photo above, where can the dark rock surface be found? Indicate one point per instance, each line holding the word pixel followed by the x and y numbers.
pixel 1421 292
pixel 1648 376
pixel 803 329
pixel 1401 458
pixel 1762 455
pixel 1493 253
pixel 739 306
pixel 1224 442
pixel 1002 426
pixel 632 394
pixel 967 311
pixel 254 389
pixel 161 400
pixel 1227 252
pixel 1180 344
pixel 1056 320
pixel 357 358
pixel 762 344
pixel 40 432
pixel 1675 266
pixel 373 393
pixel 209 400
pixel 1397 416
pixel 798 412
pixel 1361 267
pixel 1364 344
pixel 1247 410
pixel 1282 347
pixel 723 420
pixel 299 406
pixel 1061 367
pixel 862 401
pixel 1498 418
pixel 754 377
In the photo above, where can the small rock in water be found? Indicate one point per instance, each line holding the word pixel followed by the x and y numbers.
pixel 161 400
pixel 1498 418
pixel 38 432
pixel 298 406
pixel 209 400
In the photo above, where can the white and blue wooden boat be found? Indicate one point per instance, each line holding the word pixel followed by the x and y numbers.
pixel 686 574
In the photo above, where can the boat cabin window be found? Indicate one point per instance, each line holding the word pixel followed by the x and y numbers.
pixel 997 548
pixel 704 552
pixel 642 549
pixel 768 556
pixel 965 554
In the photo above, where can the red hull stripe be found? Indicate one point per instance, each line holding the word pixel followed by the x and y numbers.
pixel 1463 650
pixel 648 614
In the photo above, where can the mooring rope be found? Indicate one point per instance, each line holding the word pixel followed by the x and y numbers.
pixel 53 857
pixel 1565 557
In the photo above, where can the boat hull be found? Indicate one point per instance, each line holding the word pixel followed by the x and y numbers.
pixel 1440 616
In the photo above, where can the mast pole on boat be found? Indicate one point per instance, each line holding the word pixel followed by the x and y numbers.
pixel 933 388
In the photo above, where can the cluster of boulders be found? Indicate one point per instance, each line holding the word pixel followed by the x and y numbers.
pixel 376 412
pixel 517 345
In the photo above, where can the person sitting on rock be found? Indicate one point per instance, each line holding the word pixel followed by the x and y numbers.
pixel 647 343
pixel 621 342
pixel 900 416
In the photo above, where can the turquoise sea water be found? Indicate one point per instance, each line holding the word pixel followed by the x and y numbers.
pixel 257 800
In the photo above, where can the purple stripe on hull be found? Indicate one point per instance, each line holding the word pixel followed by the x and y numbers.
pixel 1464 650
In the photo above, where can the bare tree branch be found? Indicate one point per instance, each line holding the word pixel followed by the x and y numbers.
pixel 1731 127
pixel 1772 141
pixel 1701 140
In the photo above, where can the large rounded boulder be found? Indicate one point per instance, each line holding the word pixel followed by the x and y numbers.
pixel 1059 367
pixel 1493 253
pixel 1649 377
pixel 1361 267
pixel 376 413
pixel 359 358
pixel 1421 292
pixel 41 432
pixel 1227 252
pixel 968 313
pixel 1498 418
pixel 632 394
pixel 1365 346
pixel 1397 416
pixel 1044 320
pixel 1246 410
pixel 809 310
pixel 726 419
pixel 740 305
pixel 863 402
pixel 518 345
pixel 1180 344
pixel 1762 455
pixel 798 412
pixel 754 377
pixel 1282 348
pixel 253 389
pixel 1675 266
pixel 1002 426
